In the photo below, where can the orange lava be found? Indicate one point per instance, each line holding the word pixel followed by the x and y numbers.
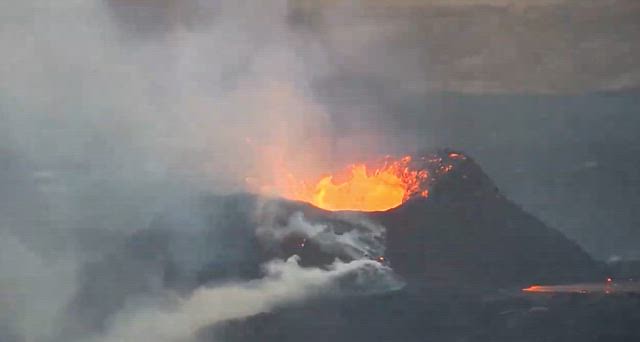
pixel 537 288
pixel 608 287
pixel 362 188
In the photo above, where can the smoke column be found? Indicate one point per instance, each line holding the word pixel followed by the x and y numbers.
pixel 113 110
pixel 180 318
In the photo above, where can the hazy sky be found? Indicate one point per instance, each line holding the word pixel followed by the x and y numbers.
pixel 99 97
pixel 111 110
pixel 117 94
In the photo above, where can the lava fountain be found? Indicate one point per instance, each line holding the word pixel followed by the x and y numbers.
pixel 362 187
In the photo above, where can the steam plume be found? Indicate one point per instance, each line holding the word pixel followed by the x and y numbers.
pixel 283 282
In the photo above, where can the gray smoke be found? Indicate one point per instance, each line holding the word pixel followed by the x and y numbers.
pixel 175 318
pixel 366 239
pixel 106 120
pixel 114 110
pixel 284 282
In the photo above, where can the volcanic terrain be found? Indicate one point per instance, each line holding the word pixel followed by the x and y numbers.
pixel 463 253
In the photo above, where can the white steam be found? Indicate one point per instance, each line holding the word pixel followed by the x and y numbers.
pixel 363 239
pixel 117 108
pixel 284 282
pixel 32 290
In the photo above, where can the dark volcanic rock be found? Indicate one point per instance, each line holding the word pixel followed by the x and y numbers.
pixel 444 317
pixel 465 235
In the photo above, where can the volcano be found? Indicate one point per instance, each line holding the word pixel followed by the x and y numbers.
pixel 465 233
pixel 464 236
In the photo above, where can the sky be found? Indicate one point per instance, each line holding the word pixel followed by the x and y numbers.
pixel 542 93
pixel 113 110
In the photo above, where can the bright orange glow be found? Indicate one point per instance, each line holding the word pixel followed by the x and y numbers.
pixel 362 189
pixel 535 288
pixel 359 187
pixel 609 287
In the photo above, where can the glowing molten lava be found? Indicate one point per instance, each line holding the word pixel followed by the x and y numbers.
pixel 362 189
pixel 608 287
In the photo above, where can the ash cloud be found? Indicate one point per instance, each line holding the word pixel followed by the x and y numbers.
pixel 115 110
pixel 111 111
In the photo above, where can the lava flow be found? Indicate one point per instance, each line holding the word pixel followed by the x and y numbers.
pixel 608 287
